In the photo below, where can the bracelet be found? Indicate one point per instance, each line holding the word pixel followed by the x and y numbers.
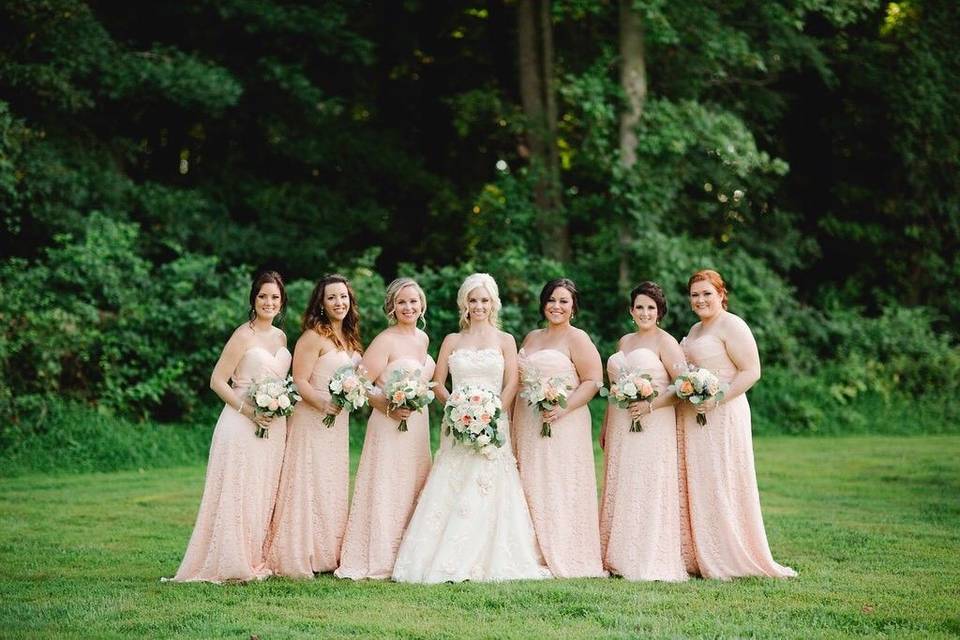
pixel 649 407
pixel 240 408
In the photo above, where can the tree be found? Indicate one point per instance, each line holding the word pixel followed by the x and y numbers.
pixel 535 62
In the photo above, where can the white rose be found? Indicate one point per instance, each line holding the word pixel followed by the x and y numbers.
pixel 483 439
pixel 262 399
pixel 283 401
pixel 629 389
pixel 476 426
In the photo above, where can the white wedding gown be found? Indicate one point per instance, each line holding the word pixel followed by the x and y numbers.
pixel 472 520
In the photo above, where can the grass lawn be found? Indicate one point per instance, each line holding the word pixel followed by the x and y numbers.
pixel 871 523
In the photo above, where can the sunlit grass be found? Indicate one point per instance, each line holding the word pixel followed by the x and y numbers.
pixel 871 523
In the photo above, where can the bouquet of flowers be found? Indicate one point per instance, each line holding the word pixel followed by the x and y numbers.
pixel 698 385
pixel 348 388
pixel 408 389
pixel 631 386
pixel 544 394
pixel 273 397
pixel 472 415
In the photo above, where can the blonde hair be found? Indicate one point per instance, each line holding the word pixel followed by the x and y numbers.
pixel 390 299
pixel 475 281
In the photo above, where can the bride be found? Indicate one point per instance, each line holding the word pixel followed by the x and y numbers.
pixel 472 521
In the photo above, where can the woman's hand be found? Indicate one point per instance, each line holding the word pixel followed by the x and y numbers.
pixel 639 409
pixel 707 405
pixel 329 407
pixel 552 415
pixel 398 414
pixel 249 412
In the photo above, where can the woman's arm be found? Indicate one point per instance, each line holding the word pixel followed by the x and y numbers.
pixel 227 363
pixel 742 349
pixel 309 348
pixel 511 374
pixel 586 360
pixel 374 361
pixel 443 367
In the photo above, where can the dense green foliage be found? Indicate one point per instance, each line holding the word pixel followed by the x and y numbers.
pixel 152 157
pixel 871 524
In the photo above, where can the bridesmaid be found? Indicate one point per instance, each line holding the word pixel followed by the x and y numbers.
pixel 394 464
pixel 640 512
pixel 725 525
pixel 558 473
pixel 243 471
pixel 311 514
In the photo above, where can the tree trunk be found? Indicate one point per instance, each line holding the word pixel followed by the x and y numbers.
pixel 535 51
pixel 633 79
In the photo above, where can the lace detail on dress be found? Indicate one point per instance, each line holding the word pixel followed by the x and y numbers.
pixel 472 522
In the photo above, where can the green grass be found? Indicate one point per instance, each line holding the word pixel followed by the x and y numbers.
pixel 871 523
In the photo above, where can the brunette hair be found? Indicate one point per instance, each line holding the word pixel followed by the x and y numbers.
pixel 713 278
pixel 556 283
pixel 267 277
pixel 316 318
pixel 653 291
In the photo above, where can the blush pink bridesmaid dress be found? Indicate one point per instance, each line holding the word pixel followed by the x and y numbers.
pixel 311 514
pixel 727 536
pixel 640 508
pixel 559 477
pixel 394 466
pixel 240 489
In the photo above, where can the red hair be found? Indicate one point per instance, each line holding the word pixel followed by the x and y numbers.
pixel 711 276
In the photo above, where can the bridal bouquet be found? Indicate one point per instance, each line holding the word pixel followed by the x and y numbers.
pixel 472 415
pixel 408 389
pixel 631 386
pixel 348 388
pixel 698 385
pixel 544 394
pixel 273 397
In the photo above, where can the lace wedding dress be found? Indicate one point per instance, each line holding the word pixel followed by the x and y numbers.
pixel 472 521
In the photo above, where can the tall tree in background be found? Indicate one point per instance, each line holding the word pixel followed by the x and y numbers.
pixel 633 80
pixel 538 96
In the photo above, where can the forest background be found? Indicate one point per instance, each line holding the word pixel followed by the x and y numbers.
pixel 154 156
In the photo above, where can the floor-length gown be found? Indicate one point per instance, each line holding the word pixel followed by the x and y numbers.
pixel 472 520
pixel 240 490
pixel 559 477
pixel 640 510
pixel 393 469
pixel 311 514
pixel 728 537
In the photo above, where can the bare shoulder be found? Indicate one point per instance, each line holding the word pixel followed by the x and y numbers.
pixel 580 338
pixel 665 340
pixel 622 342
pixel 695 329
pixel 450 342
pixel 533 336
pixel 242 336
pixel 383 341
pixel 735 324
pixel 507 339
pixel 423 338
